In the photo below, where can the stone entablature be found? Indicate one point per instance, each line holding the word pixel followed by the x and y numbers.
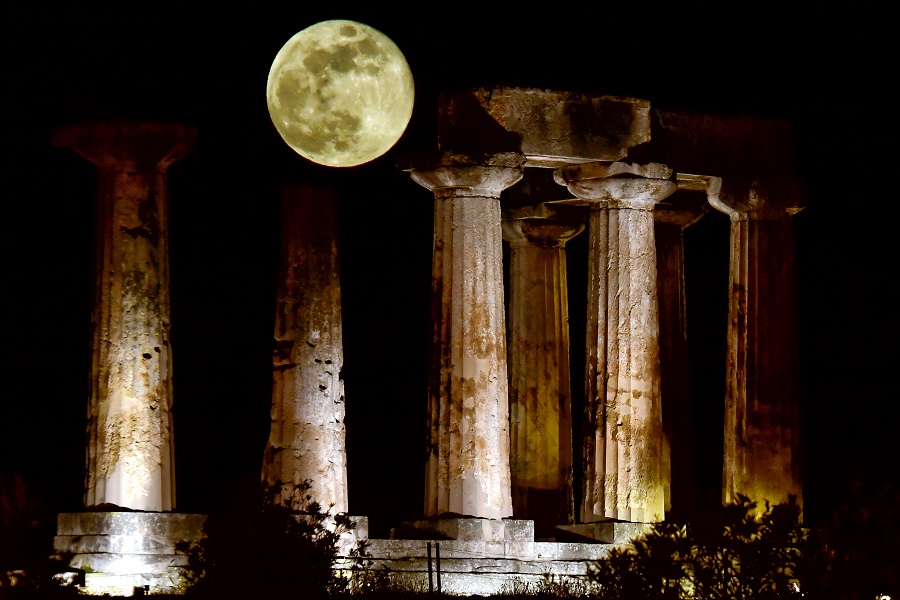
pixel 555 128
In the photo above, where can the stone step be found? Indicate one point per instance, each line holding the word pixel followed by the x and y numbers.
pixel 168 582
pixel 179 526
pixel 117 543
pixel 114 563
pixel 523 551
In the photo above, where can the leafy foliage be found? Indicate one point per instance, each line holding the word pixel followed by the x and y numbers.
pixel 286 546
pixel 740 553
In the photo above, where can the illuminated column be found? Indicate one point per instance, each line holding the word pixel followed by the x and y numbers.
pixel 624 475
pixel 467 465
pixel 306 439
pixel 130 452
pixel 672 217
pixel 762 458
pixel 539 396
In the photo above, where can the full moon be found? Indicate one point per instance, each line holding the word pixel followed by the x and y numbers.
pixel 340 93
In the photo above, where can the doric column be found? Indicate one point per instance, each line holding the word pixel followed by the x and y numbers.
pixel 624 475
pixel 130 447
pixel 540 398
pixel 678 212
pixel 307 436
pixel 467 464
pixel 762 458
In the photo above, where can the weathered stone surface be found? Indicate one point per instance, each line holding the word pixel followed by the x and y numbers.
pixel 307 434
pixel 540 398
pixel 624 471
pixel 132 544
pixel 186 526
pixel 556 128
pixel 471 568
pixel 467 465
pixel 478 530
pixel 528 552
pixel 130 443
pixel 762 459
pixel 122 550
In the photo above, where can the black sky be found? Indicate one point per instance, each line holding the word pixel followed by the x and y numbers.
pixel 827 73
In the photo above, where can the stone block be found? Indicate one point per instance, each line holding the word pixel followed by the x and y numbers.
pixel 518 530
pixel 178 526
pixel 132 544
pixel 128 564
pixel 609 532
pixel 475 529
pixel 555 128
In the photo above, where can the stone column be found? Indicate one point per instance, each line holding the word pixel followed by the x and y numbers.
pixel 624 475
pixel 540 390
pixel 130 447
pixel 467 463
pixel 673 216
pixel 762 459
pixel 307 436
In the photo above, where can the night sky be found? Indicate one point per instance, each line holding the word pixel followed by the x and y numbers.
pixel 826 73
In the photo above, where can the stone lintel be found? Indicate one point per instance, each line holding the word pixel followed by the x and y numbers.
pixel 555 127
pixel 608 532
pixel 723 145
pixel 693 182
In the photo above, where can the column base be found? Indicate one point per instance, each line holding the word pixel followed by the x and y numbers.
pixel 128 553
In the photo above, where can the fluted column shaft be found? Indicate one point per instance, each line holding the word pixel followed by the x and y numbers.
pixel 130 460
pixel 671 219
pixel 624 474
pixel 467 463
pixel 307 435
pixel 540 395
pixel 762 458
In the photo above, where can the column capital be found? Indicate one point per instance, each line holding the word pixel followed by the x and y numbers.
pixel 543 225
pixel 458 175
pixel 756 199
pixel 684 210
pixel 618 184
pixel 127 146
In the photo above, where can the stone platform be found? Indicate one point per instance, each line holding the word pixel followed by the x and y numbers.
pixel 121 551
pixel 490 556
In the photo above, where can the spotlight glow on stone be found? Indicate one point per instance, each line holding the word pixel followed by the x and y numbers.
pixel 340 93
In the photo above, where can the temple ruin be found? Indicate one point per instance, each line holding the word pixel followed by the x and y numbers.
pixel 519 482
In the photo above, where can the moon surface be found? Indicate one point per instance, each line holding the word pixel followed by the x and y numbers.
pixel 340 93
